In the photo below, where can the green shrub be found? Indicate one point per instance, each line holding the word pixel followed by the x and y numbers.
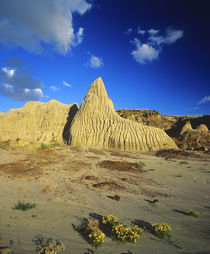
pixel 4 146
pixel 24 206
pixel 141 163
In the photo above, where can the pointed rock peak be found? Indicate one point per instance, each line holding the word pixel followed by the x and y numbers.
pixel 98 88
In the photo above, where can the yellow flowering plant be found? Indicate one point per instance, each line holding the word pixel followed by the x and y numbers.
pixel 90 230
pixel 192 212
pixel 126 234
pixel 110 220
pixel 118 231
pixel 161 229
pixel 96 239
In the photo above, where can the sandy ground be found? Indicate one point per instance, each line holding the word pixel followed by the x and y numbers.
pixel 69 184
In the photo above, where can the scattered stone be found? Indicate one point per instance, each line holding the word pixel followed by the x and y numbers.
pixel 116 198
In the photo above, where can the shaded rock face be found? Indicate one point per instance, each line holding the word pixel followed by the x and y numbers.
pixel 186 127
pixel 37 122
pixel 96 124
pixel 194 139
pixel 203 128
pixel 147 117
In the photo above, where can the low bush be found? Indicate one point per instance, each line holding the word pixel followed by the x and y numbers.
pixel 47 245
pixel 161 229
pixel 24 206
pixel 192 212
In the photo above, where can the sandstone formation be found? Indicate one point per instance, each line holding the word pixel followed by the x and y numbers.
pixel 37 122
pixel 195 140
pixel 96 124
pixel 186 127
pixel 203 128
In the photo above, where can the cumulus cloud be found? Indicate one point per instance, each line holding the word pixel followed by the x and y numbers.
pixel 144 52
pixel 34 24
pixel 149 46
pixel 17 83
pixel 66 84
pixel 54 88
pixel 204 100
pixel 170 37
pixel 96 62
pixel 25 94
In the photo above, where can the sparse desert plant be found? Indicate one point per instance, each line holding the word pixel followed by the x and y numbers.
pixel 161 229
pixel 47 245
pixel 44 146
pixel 120 232
pixel 192 212
pixel 141 163
pixel 179 175
pixel 90 230
pixel 52 145
pixel 96 239
pixel 55 144
pixel 3 146
pixel 126 234
pixel 24 206
pixel 151 169
pixel 5 250
pixel 110 220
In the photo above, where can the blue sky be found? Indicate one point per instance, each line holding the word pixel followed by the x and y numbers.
pixel 151 54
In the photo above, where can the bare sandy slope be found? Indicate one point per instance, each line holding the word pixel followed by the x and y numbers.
pixel 69 184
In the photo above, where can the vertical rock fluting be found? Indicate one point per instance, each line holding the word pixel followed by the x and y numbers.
pixel 97 125
pixel 37 122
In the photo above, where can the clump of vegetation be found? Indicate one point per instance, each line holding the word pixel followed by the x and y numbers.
pixel 3 146
pixel 126 234
pixel 24 206
pixel 47 245
pixel 96 239
pixel 90 230
pixel 44 146
pixel 141 163
pixel 179 175
pixel 192 212
pixel 161 229
pixel 120 232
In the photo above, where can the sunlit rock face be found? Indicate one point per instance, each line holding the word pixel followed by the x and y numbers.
pixel 96 124
pixel 37 122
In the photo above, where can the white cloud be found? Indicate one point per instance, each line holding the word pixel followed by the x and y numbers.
pixel 144 52
pixel 141 32
pixel 25 94
pixel 204 100
pixel 129 31
pixel 66 84
pixel 54 88
pixel 96 62
pixel 9 72
pixel 171 36
pixel 151 45
pixel 153 31
pixel 34 24
pixel 18 84
pixel 79 35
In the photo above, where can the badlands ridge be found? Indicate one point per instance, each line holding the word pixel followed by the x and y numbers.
pixel 94 124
